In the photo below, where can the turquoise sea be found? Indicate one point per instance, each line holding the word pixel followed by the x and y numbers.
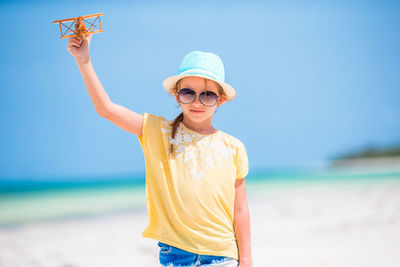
pixel 31 200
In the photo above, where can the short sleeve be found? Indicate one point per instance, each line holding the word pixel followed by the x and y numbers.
pixel 150 130
pixel 242 162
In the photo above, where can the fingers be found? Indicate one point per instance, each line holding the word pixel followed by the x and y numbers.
pixel 77 45
pixel 75 42
pixel 70 46
pixel 76 39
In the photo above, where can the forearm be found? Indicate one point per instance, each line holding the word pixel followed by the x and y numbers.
pixel 241 225
pixel 96 91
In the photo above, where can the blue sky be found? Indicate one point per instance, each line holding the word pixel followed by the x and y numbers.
pixel 313 80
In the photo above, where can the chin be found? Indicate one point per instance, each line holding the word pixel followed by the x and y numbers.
pixel 197 116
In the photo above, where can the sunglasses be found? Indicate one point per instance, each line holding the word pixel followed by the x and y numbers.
pixel 207 98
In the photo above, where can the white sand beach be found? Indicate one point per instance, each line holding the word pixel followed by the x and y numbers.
pixel 302 224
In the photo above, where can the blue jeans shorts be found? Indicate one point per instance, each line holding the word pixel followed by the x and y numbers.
pixel 173 256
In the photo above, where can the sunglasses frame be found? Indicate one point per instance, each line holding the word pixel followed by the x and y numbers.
pixel 195 96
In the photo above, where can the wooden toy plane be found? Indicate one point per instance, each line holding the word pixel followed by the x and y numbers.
pixel 82 26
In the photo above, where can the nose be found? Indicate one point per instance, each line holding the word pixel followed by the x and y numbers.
pixel 197 101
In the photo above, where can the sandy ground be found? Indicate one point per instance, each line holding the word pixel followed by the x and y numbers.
pixel 294 224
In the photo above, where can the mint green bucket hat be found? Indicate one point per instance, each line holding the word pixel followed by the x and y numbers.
pixel 201 64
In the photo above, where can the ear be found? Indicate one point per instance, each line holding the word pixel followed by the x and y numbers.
pixel 176 98
pixel 221 100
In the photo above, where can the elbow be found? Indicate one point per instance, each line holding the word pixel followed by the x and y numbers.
pixel 103 113
pixel 242 210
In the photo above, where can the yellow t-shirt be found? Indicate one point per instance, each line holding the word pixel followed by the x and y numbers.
pixel 190 197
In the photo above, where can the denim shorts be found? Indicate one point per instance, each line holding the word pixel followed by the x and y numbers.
pixel 173 256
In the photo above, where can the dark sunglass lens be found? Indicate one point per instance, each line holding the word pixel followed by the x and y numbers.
pixel 186 95
pixel 208 98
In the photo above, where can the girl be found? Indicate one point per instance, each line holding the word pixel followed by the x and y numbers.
pixel 195 188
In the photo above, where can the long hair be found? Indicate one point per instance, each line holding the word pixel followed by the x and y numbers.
pixel 175 123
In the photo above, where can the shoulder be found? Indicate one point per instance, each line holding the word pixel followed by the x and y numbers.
pixel 157 122
pixel 155 117
pixel 234 141
pixel 164 121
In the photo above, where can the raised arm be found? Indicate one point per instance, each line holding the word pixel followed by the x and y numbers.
pixel 119 115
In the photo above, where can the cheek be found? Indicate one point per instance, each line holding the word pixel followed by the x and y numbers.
pixel 210 111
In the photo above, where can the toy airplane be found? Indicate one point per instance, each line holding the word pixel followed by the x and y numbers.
pixel 83 26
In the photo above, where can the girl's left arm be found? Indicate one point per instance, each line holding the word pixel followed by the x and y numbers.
pixel 241 224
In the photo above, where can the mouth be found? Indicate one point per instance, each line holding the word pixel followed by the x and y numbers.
pixel 196 111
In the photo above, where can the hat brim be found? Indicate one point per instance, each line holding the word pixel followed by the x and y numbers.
pixel 170 83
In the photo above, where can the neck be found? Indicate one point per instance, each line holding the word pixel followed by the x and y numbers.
pixel 203 127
